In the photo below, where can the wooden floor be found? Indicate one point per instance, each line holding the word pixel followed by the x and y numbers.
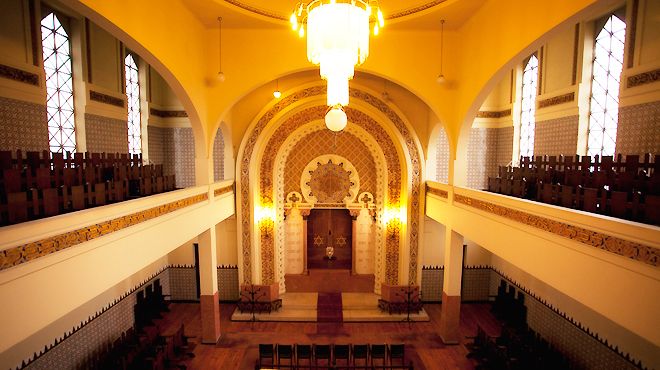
pixel 237 348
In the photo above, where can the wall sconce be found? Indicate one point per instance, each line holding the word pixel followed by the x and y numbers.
pixel 392 221
pixel 266 219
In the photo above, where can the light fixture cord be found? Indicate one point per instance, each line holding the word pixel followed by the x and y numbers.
pixel 442 42
pixel 220 44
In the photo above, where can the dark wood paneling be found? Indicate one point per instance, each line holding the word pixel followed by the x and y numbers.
pixel 329 227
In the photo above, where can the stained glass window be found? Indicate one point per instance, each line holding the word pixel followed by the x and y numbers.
pixel 59 85
pixel 133 98
pixel 528 102
pixel 604 106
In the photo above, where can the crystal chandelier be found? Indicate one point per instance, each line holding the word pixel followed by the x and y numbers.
pixel 337 40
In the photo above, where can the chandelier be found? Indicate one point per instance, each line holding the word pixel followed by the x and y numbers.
pixel 337 40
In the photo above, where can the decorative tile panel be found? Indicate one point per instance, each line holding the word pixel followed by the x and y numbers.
pixel 475 284
pixel 106 99
pixel 639 129
pixel 19 75
pixel 157 145
pixel 183 283
pixel 556 136
pixel 504 145
pixel 219 157
pixel 625 248
pixel 583 348
pixel 106 135
pixel 442 157
pixel 27 252
pixel 183 146
pixel 323 142
pixel 71 350
pixel 432 281
pixel 482 156
pixel 228 283
pixel 23 126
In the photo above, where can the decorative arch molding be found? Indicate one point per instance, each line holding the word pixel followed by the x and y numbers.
pixel 411 146
pixel 378 201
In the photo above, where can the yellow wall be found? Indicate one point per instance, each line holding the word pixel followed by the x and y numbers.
pixel 649 32
pixel 45 290
pixel 617 288
pixel 15 32
pixel 106 59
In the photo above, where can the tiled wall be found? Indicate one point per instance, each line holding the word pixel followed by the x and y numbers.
pixel 582 349
pixel 504 145
pixel 218 157
pixel 157 143
pixel 442 157
pixel 174 148
pixel 432 280
pixel 556 136
pixel 475 284
pixel 183 283
pixel 22 126
pixel 228 283
pixel 482 157
pixel 106 134
pixel 103 329
pixel 639 129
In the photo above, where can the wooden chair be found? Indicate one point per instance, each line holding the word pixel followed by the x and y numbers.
pixel 17 207
pixel 51 202
pixel 341 352
pixel 303 352
pixel 589 200
pixel 566 196
pixel 266 352
pixel 321 353
pixel 284 352
pixel 100 194
pixel 378 352
pixel 652 209
pixel 359 352
pixel 396 352
pixel 618 204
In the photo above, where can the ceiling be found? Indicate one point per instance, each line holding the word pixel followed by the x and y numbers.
pixel 399 14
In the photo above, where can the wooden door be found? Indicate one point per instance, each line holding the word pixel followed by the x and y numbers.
pixel 329 228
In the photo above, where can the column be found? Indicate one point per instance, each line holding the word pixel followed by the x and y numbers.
pixel 208 280
pixel 451 289
pixel 305 215
pixel 354 231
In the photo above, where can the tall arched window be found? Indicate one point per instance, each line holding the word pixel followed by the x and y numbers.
pixel 604 105
pixel 133 98
pixel 59 85
pixel 528 109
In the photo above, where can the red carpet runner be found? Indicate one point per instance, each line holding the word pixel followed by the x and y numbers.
pixel 329 308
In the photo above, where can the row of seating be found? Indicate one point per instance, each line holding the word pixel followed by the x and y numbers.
pixel 332 356
pixel 55 186
pixel 146 349
pixel 143 346
pixel 518 347
pixel 36 159
pixel 514 349
pixel 629 190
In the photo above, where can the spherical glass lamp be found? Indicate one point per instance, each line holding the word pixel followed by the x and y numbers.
pixel 336 119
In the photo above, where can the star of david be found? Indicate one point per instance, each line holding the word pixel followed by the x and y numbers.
pixel 341 241
pixel 318 240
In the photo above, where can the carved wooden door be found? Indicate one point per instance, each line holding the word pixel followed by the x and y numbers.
pixel 329 235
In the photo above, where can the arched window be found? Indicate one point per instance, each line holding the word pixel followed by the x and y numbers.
pixel 528 109
pixel 59 85
pixel 133 98
pixel 604 105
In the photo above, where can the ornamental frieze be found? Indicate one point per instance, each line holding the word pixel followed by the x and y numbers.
pixel 625 248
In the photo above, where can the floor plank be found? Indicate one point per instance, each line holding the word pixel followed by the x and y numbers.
pixel 237 348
